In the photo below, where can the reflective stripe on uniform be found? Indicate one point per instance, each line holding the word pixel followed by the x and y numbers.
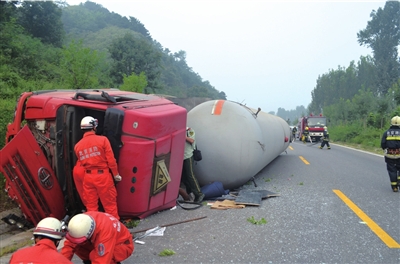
pixel 393 138
pixel 391 156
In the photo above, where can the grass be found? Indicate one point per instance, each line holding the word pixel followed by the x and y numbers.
pixel 252 220
pixel 15 247
pixel 367 148
pixel 130 223
pixel 166 253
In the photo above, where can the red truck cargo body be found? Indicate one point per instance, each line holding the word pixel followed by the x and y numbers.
pixel 146 132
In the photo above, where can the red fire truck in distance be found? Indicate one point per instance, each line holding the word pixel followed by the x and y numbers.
pixel 315 126
pixel 146 132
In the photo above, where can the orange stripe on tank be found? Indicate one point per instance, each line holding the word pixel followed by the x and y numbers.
pixel 217 108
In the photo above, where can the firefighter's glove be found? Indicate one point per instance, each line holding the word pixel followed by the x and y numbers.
pixel 117 178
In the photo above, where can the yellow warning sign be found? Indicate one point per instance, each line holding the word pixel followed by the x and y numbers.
pixel 161 178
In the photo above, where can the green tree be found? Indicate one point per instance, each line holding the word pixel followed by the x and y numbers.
pixel 367 73
pixel 80 66
pixel 382 34
pixel 131 54
pixel 363 102
pixel 42 20
pixel 7 11
pixel 134 83
pixel 383 105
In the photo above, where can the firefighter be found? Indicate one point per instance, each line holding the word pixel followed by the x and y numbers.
pixel 95 154
pixel 325 139
pixel 305 135
pixel 47 236
pixel 97 237
pixel 294 131
pixel 390 143
pixel 78 174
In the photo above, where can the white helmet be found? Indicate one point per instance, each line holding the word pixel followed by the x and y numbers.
pixel 89 122
pixel 80 228
pixel 395 121
pixel 49 227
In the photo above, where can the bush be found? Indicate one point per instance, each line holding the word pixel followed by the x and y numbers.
pixel 357 134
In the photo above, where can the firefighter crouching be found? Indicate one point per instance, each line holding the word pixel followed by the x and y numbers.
pixel 47 235
pixel 305 135
pixel 97 238
pixel 390 143
pixel 325 139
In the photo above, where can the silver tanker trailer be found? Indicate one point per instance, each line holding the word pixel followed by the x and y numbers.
pixel 236 141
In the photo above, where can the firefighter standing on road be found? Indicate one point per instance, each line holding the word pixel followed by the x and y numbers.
pixel 47 235
pixel 325 139
pixel 95 154
pixel 97 238
pixel 305 135
pixel 294 131
pixel 78 174
pixel 390 143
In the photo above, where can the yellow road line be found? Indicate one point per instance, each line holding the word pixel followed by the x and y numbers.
pixel 304 160
pixel 388 240
pixel 290 147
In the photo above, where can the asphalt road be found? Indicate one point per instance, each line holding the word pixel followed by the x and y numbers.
pixel 335 206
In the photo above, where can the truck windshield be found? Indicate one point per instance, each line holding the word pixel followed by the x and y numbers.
pixel 316 121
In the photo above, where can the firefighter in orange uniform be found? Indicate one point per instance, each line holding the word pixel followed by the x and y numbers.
pixel 97 237
pixel 78 174
pixel 47 235
pixel 95 154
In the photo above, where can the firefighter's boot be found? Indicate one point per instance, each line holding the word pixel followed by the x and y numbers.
pixel 395 188
pixel 329 147
pixel 320 147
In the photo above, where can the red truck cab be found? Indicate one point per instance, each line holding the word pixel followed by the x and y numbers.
pixel 146 132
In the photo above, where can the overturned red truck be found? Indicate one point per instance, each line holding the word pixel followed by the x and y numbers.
pixel 146 132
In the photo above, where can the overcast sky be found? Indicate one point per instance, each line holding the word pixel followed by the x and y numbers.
pixel 262 53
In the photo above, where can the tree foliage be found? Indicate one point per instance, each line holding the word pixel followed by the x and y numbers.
pixel 134 83
pixel 134 55
pixel 80 66
pixel 365 93
pixel 292 116
pixel 42 19
pixel 382 34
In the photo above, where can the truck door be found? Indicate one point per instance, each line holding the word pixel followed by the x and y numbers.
pixel 31 179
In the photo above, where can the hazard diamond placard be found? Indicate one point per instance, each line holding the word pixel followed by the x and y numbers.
pixel 161 177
